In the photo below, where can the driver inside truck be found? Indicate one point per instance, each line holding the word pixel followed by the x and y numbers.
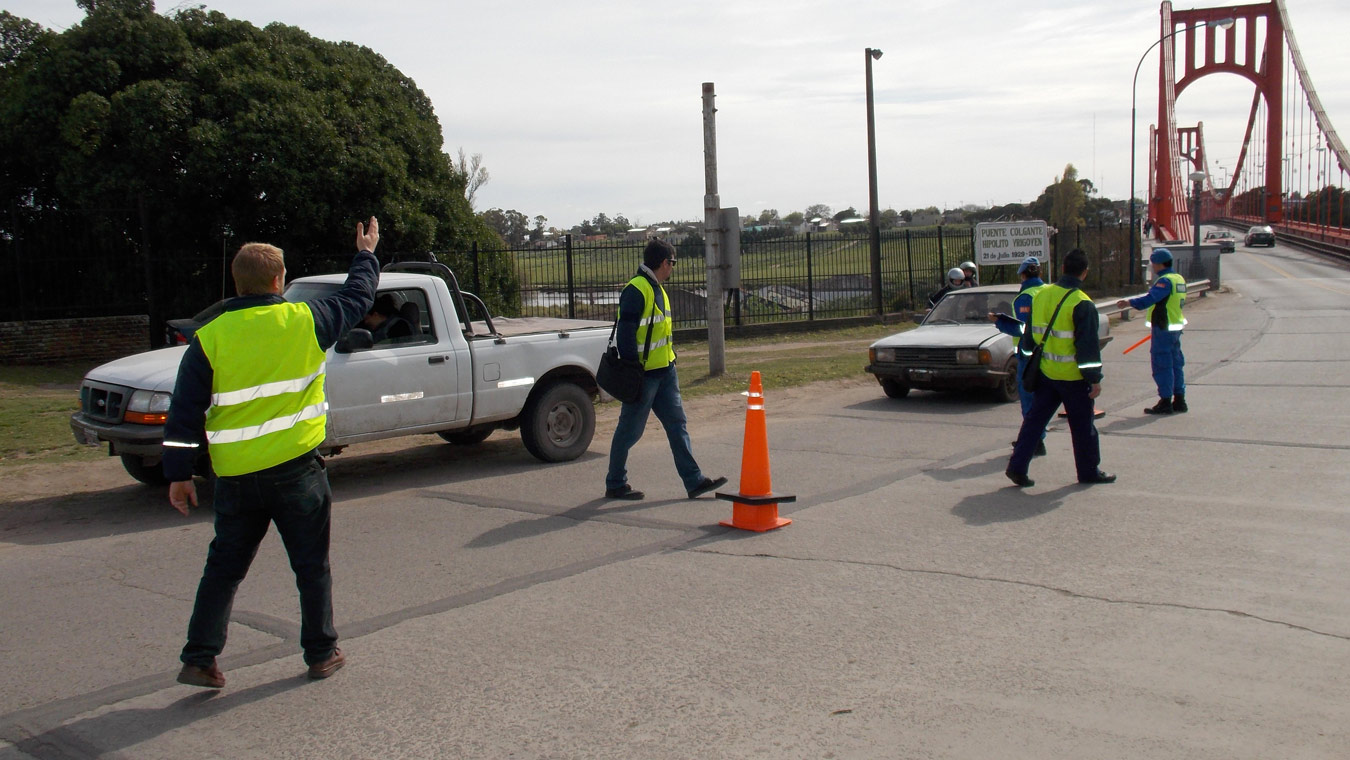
pixel 383 320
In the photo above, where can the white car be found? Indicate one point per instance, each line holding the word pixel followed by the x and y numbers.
pixel 956 347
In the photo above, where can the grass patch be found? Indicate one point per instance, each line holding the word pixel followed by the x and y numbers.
pixel 35 408
pixel 782 360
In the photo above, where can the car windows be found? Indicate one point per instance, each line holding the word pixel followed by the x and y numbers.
pixel 399 317
pixel 964 307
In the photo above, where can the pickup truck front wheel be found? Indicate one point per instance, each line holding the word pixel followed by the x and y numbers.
pixel 558 422
pixel 149 474
pixel 465 437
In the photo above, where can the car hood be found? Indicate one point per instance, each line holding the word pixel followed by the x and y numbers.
pixel 941 336
pixel 153 370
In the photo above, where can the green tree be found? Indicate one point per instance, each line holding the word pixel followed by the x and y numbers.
pixel 795 218
pixel 848 213
pixel 1066 200
pixel 817 210
pixel 888 219
pixel 194 129
pixel 512 225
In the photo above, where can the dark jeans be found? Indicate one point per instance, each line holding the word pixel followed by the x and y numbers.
pixel 660 394
pixel 1073 394
pixel 295 496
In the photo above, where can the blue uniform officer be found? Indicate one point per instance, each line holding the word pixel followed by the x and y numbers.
pixel 1016 323
pixel 1164 302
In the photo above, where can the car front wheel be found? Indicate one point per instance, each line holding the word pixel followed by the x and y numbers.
pixel 893 388
pixel 1007 390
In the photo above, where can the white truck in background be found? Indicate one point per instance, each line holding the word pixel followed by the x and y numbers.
pixel 454 376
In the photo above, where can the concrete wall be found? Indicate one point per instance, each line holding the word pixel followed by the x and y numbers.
pixel 88 341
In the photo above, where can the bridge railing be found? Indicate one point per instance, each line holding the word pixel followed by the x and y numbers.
pixel 1110 309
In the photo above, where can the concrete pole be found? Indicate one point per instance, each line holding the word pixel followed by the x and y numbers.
pixel 712 238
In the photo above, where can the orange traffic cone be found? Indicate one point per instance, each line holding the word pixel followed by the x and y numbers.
pixel 756 506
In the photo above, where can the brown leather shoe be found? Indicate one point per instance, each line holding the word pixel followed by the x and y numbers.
pixel 329 666
pixel 196 675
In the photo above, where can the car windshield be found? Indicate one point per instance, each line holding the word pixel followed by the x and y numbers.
pixel 965 308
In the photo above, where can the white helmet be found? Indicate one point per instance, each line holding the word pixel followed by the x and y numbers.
pixel 967 265
pixel 955 274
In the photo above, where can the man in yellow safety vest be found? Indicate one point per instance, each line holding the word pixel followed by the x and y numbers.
pixel 645 333
pixel 251 389
pixel 1064 322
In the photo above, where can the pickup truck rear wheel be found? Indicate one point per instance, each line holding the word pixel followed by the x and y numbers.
pixel 151 475
pixel 893 388
pixel 558 422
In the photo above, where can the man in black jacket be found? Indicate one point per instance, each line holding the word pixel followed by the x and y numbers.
pixel 250 386
pixel 644 334
pixel 1065 322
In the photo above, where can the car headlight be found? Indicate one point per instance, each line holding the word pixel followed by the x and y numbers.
pixel 148 408
pixel 973 356
pixel 883 354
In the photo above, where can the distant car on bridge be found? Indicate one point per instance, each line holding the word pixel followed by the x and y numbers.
pixel 1226 242
pixel 1259 235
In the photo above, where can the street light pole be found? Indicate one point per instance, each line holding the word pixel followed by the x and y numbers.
pixel 874 233
pixel 1134 92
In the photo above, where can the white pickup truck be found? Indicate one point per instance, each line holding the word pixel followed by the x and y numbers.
pixel 453 376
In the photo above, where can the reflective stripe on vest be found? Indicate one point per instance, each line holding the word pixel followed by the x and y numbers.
pixel 267 387
pixel 1176 320
pixel 657 322
pixel 1030 295
pixel 1059 356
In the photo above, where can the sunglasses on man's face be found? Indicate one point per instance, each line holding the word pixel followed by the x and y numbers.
pixel 672 261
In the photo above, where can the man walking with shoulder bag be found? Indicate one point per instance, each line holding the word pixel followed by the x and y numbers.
pixel 645 334
pixel 1064 322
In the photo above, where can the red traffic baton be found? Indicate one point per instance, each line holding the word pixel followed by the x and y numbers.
pixel 1137 345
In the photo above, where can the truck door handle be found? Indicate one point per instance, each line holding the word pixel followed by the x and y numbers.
pixel 436 359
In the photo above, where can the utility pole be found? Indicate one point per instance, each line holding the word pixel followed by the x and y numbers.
pixel 712 238
pixel 873 233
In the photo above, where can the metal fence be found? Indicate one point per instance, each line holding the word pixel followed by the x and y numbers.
pixel 74 267
pixel 787 277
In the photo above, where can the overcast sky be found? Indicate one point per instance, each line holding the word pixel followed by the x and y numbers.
pixel 583 107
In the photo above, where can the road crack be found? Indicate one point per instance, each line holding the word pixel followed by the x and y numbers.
pixel 1031 584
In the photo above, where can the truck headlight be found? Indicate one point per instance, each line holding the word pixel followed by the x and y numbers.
pixel 883 354
pixel 148 408
pixel 973 356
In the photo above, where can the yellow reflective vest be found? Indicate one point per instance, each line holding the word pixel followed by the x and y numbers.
pixel 267 401
pixel 1059 357
pixel 656 321
pixel 1175 321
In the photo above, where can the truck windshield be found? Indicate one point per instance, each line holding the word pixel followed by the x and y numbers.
pixel 299 292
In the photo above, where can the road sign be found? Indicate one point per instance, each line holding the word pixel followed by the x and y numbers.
pixel 1010 242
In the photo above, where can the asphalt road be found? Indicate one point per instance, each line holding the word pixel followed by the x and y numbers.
pixel 917 607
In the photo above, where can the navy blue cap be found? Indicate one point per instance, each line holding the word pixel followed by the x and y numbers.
pixel 1160 256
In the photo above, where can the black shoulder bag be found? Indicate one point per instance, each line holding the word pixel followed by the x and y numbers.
pixel 1031 376
pixel 619 377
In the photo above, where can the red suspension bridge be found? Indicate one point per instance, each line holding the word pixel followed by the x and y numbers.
pixel 1291 170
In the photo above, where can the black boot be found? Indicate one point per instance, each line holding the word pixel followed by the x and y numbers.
pixel 1164 406
pixel 1179 403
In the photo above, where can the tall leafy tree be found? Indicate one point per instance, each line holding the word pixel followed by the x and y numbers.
pixel 194 130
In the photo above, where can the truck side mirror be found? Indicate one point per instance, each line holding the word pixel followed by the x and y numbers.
pixel 359 338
